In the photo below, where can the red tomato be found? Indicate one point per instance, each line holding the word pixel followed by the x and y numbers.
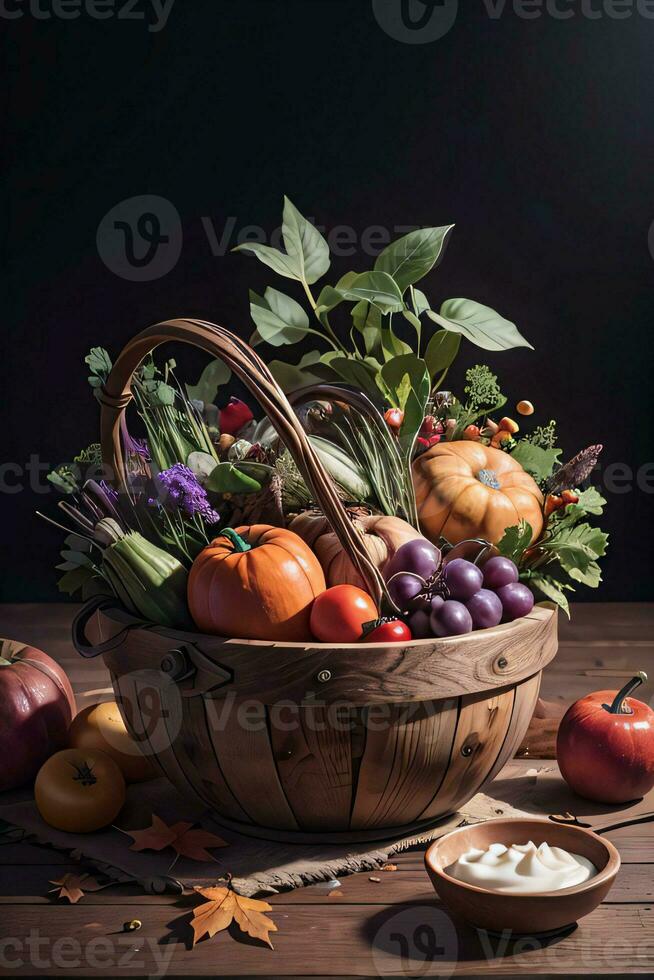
pixel 394 631
pixel 338 615
pixel 394 418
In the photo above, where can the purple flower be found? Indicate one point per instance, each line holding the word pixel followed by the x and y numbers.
pixel 180 490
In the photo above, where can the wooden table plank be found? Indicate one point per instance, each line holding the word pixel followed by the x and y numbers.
pixel 352 940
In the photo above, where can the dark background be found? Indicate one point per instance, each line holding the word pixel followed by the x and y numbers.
pixel 535 136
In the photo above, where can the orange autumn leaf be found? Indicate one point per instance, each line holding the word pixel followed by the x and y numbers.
pixel 185 841
pixel 193 843
pixel 224 907
pixel 154 838
pixel 72 886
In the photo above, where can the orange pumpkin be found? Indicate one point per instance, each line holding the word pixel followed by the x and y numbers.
pixel 468 490
pixel 382 536
pixel 255 583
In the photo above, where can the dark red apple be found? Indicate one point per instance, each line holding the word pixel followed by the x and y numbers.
pixel 605 745
pixel 37 707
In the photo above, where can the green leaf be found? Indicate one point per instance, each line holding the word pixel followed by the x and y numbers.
pixel 229 478
pixel 367 320
pixel 407 384
pixel 328 300
pixel 411 257
pixel 441 351
pixel 420 302
pixel 305 245
pixel 515 540
pixel 479 324
pixel 215 374
pixel 290 377
pixel 99 362
pixel 279 319
pixel 552 590
pixel 538 462
pixel 391 344
pixel 72 581
pixel 279 262
pixel 577 550
pixel 591 501
pixel 377 288
pixel 354 372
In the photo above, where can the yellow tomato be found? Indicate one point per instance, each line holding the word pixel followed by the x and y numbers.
pixel 79 791
pixel 100 726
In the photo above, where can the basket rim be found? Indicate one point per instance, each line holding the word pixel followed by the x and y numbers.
pixel 542 612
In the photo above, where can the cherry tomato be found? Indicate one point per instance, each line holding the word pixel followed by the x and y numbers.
pixel 79 790
pixel 338 615
pixel 394 631
pixel 394 418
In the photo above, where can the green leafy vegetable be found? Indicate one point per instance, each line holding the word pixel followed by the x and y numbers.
pixel 515 541
pixel 539 463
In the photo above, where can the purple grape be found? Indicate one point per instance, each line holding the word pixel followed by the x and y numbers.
pixel 419 556
pixel 485 608
pixel 419 625
pixel 516 599
pixel 463 579
pixel 498 572
pixel 403 589
pixel 452 619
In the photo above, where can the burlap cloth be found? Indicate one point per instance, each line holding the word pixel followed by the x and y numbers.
pixel 261 866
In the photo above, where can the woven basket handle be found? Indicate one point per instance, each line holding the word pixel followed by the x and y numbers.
pixel 246 364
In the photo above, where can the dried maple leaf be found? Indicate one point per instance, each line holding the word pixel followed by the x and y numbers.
pixel 184 841
pixel 193 843
pixel 154 838
pixel 72 886
pixel 224 907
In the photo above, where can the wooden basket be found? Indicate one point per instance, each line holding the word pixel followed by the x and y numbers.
pixel 303 741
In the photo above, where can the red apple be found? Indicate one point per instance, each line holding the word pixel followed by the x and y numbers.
pixel 37 707
pixel 605 745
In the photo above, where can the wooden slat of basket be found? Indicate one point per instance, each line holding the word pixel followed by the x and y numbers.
pixel 196 753
pixel 404 762
pixel 315 769
pixel 524 702
pixel 245 756
pixel 480 731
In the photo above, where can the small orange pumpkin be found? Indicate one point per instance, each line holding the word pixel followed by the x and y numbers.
pixel 256 583
pixel 382 536
pixel 468 490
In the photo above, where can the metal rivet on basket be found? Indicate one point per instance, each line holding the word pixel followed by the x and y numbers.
pixel 502 663
pixel 324 676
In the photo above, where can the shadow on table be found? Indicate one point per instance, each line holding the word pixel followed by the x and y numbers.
pixel 420 936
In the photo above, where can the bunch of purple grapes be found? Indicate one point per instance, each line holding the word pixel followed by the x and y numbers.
pixel 477 598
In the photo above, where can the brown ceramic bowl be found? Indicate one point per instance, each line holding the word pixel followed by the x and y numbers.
pixel 532 912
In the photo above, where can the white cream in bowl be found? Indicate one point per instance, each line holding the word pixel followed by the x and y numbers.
pixel 522 868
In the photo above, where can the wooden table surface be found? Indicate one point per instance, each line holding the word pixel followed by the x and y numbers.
pixel 391 927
